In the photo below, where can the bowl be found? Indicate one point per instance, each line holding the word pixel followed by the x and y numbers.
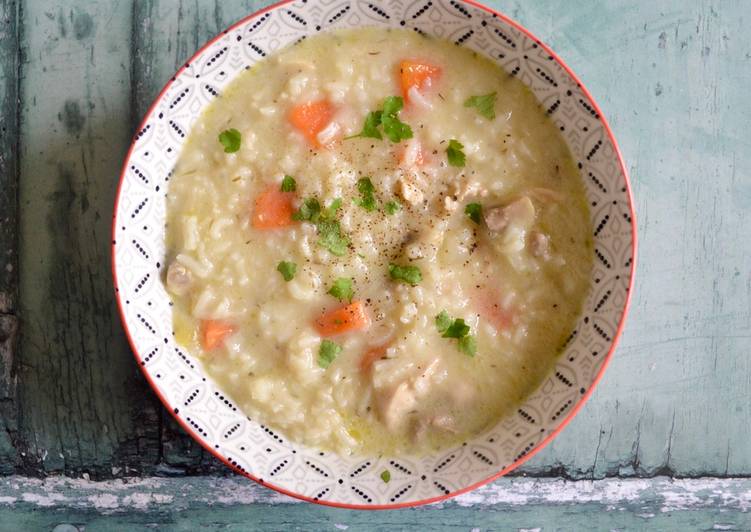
pixel 257 451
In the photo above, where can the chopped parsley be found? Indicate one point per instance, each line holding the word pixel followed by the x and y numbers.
pixel 388 119
pixel 287 269
pixel 474 212
pixel 309 211
pixel 456 328
pixel 370 128
pixel 330 237
pixel 392 206
pixel 367 194
pixel 454 153
pixel 485 104
pixel 289 184
pixel 395 129
pixel 230 139
pixel 342 289
pixel 330 234
pixel 327 353
pixel 386 475
pixel 408 274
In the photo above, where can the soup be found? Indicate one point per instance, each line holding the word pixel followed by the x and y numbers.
pixel 378 242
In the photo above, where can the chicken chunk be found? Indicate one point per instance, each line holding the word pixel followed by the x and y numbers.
pixel 179 279
pixel 540 245
pixel 511 223
pixel 395 403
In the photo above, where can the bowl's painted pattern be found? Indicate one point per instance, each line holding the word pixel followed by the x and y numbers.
pixel 260 452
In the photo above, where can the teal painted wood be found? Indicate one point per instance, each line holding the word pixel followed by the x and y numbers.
pixel 672 78
pixel 510 504
pixel 8 232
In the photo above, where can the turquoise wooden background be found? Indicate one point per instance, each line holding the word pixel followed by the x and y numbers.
pixel 673 79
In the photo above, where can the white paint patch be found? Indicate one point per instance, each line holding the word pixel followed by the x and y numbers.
pixel 650 497
pixel 340 526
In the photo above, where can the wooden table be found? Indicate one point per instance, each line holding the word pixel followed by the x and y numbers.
pixel 672 76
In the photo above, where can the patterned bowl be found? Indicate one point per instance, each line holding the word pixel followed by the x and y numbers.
pixel 257 451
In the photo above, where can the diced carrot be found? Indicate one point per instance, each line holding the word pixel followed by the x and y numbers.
pixel 352 317
pixel 310 118
pixel 370 356
pixel 213 333
pixel 488 305
pixel 273 208
pixel 417 74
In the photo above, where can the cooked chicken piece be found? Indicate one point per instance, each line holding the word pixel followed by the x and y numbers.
pixel 511 223
pixel 540 245
pixel 395 403
pixel 410 191
pixel 179 279
pixel 394 406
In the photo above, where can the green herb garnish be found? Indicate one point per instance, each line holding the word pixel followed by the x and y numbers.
pixel 454 153
pixel 287 269
pixel 386 475
pixel 309 211
pixel 367 194
pixel 330 234
pixel 230 139
pixel 370 128
pixel 456 329
pixel 342 289
pixel 388 119
pixel 485 104
pixel 327 353
pixel 289 184
pixel 392 206
pixel 330 237
pixel 474 212
pixel 408 274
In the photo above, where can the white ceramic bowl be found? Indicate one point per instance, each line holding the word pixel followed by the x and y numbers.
pixel 259 452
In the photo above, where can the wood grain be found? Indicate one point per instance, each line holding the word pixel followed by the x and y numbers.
pixel 9 60
pixel 672 78
pixel 510 504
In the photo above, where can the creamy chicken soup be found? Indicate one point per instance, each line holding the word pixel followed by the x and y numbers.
pixel 377 242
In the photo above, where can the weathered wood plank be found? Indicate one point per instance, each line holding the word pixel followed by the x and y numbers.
pixel 676 398
pixel 510 504
pixel 85 407
pixel 8 232
pixel 672 78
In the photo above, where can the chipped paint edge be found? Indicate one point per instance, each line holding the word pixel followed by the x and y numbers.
pixel 653 496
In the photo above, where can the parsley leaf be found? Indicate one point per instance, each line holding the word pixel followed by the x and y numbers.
pixel 449 328
pixel 327 353
pixel 392 206
pixel 366 189
pixel 329 231
pixel 454 153
pixel 330 237
pixel 230 139
pixel 342 289
pixel 408 274
pixel 468 345
pixel 442 321
pixel 330 212
pixel 474 212
pixel 370 128
pixel 309 211
pixel 287 269
pixel 289 184
pixel 386 475
pixel 395 129
pixel 485 104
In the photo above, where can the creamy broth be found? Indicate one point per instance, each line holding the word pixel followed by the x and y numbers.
pixel 381 363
